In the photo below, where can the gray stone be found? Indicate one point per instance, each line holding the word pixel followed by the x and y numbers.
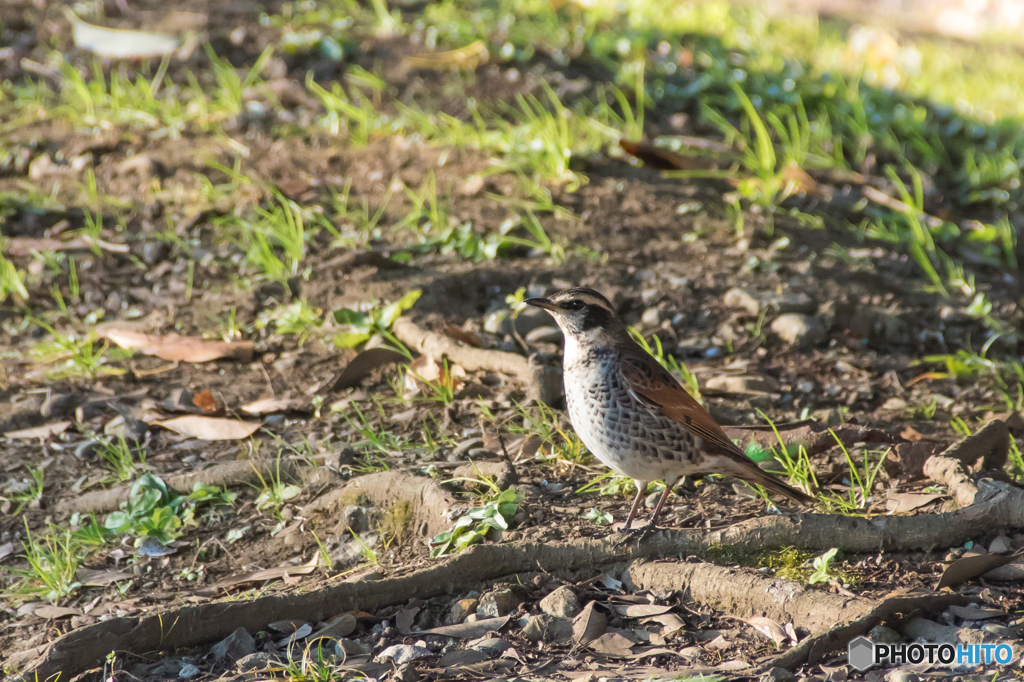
pixel 780 675
pixel 652 317
pixel 188 671
pixel 738 298
pixel 461 610
pixel 1000 545
pixel 352 647
pixel 545 628
pixel 545 334
pixel 400 654
pixel 797 329
pixel 930 631
pixel 255 662
pixel 235 646
pixel 883 635
pixel 492 646
pixel 499 602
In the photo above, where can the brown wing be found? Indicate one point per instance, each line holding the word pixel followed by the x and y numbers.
pixel 655 387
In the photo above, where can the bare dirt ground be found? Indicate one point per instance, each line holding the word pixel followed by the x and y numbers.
pixel 284 532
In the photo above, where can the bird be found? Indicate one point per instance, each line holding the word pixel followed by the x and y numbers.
pixel 631 413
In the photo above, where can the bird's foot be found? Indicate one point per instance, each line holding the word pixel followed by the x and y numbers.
pixel 637 534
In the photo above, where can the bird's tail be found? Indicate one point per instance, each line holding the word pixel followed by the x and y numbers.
pixel 743 468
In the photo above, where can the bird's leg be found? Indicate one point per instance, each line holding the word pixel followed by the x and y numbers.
pixel 661 503
pixel 641 487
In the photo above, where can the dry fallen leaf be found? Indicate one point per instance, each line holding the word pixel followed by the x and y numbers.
pixel 100 578
pixel 897 503
pixel 659 158
pixel 640 610
pixel 971 566
pixel 283 572
pixel 364 363
pixel 769 628
pixel 211 428
pixel 205 401
pixel 48 612
pixel 612 644
pixel 119 43
pixel 976 612
pixel 180 348
pixel 459 334
pixel 336 628
pixel 41 432
pixel 470 630
pixel 425 370
pixel 589 624
pixel 271 405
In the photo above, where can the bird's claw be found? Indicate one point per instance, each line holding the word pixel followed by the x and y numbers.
pixel 637 534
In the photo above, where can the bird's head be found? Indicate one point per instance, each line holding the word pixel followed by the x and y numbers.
pixel 582 314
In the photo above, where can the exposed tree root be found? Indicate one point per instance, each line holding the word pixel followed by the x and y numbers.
pixel 541 382
pixel 226 474
pixel 1001 506
pixel 745 594
pixel 832 620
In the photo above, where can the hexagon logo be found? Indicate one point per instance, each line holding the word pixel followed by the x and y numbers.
pixel 861 653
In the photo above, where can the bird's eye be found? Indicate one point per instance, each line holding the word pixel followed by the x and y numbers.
pixel 575 304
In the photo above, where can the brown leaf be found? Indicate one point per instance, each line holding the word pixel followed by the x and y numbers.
pixel 971 566
pixel 100 578
pixel 470 630
pixel 976 612
pixel 589 624
pixel 640 610
pixel 48 612
pixel 272 405
pixel 336 628
pixel 180 348
pixel 733 665
pixel 211 428
pixel 205 401
pixel 658 158
pixel 256 577
pixel 459 334
pixel 670 623
pixel 798 179
pixel 364 363
pixel 40 432
pixel 896 503
pixel 767 627
pixel 404 619
pixel 612 644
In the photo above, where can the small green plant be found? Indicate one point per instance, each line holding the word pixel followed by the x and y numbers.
pixel 357 327
pixel 365 551
pixel 297 318
pixel 476 524
pixel 11 280
pixel 275 492
pixel 601 518
pixel 119 457
pixel 53 561
pixel 33 491
pixel 152 511
pixel 822 566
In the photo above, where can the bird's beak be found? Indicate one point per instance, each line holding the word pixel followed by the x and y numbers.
pixel 541 303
